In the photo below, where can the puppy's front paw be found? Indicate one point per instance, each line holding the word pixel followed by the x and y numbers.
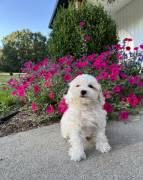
pixel 76 155
pixel 103 147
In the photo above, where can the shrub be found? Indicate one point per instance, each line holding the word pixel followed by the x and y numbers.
pixel 45 83
pixel 81 31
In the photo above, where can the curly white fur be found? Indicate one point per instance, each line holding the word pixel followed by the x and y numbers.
pixel 85 117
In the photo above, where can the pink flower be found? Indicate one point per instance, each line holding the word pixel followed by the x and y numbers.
pixel 140 84
pixel 103 75
pixel 36 66
pixel 133 100
pixel 36 88
pixel 63 60
pixel 108 107
pixel 107 94
pixel 47 84
pixel 98 63
pixel 62 107
pixel 141 46
pixel 50 109
pixel 51 95
pixel 117 89
pixel 14 93
pixel 136 48
pixel 21 92
pixel 67 77
pixel 123 115
pixel 113 77
pixel 68 69
pixel 125 39
pixel 132 80
pixel 92 57
pixel 118 47
pixel 48 76
pixel 82 24
pixel 123 75
pixel 87 37
pixel 137 78
pixel 34 106
pixel 45 62
pixel 120 56
pixel 81 64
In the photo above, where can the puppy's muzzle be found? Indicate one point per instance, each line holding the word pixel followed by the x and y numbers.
pixel 83 93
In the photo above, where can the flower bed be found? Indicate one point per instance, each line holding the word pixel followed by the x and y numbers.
pixel 117 69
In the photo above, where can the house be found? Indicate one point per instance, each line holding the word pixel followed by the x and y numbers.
pixel 128 15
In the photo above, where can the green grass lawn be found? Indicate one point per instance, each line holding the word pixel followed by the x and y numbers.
pixel 4 77
pixel 7 101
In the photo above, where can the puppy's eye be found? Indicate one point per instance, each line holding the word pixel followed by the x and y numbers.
pixel 77 85
pixel 90 86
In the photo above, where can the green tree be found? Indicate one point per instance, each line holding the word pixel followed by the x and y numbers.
pixel 81 31
pixel 21 46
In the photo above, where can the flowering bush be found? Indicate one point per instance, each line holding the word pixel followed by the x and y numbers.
pixel 81 31
pixel 45 83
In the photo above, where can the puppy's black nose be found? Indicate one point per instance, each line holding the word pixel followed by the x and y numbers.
pixel 83 92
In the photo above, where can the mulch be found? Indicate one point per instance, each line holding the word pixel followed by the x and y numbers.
pixel 20 122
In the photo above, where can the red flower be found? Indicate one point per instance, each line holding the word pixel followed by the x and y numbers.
pixel 117 89
pixel 36 66
pixel 67 77
pixel 123 75
pixel 51 95
pixel 128 48
pixel 133 100
pixel 82 24
pixel 132 80
pixel 113 77
pixel 50 109
pixel 87 37
pixel 48 76
pixel 107 94
pixel 103 75
pixel 141 46
pixel 34 106
pixel 125 39
pixel 136 48
pixel 47 84
pixel 68 69
pixel 62 107
pixel 123 115
pixel 36 88
pixel 108 107
pixel 14 93
pixel 21 92
pixel 45 62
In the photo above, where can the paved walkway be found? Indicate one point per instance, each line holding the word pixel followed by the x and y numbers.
pixel 41 154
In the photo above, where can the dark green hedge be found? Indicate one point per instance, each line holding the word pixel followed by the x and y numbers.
pixel 72 26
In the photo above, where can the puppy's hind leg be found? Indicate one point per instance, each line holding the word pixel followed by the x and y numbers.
pixel 76 150
pixel 102 144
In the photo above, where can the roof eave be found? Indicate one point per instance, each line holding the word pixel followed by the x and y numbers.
pixel 58 3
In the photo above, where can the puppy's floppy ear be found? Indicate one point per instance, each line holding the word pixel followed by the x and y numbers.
pixel 67 97
pixel 101 97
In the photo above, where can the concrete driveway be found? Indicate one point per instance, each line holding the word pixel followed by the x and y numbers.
pixel 41 154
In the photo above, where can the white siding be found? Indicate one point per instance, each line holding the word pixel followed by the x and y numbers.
pixel 130 21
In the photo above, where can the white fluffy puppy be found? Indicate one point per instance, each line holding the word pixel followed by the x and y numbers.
pixel 85 117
